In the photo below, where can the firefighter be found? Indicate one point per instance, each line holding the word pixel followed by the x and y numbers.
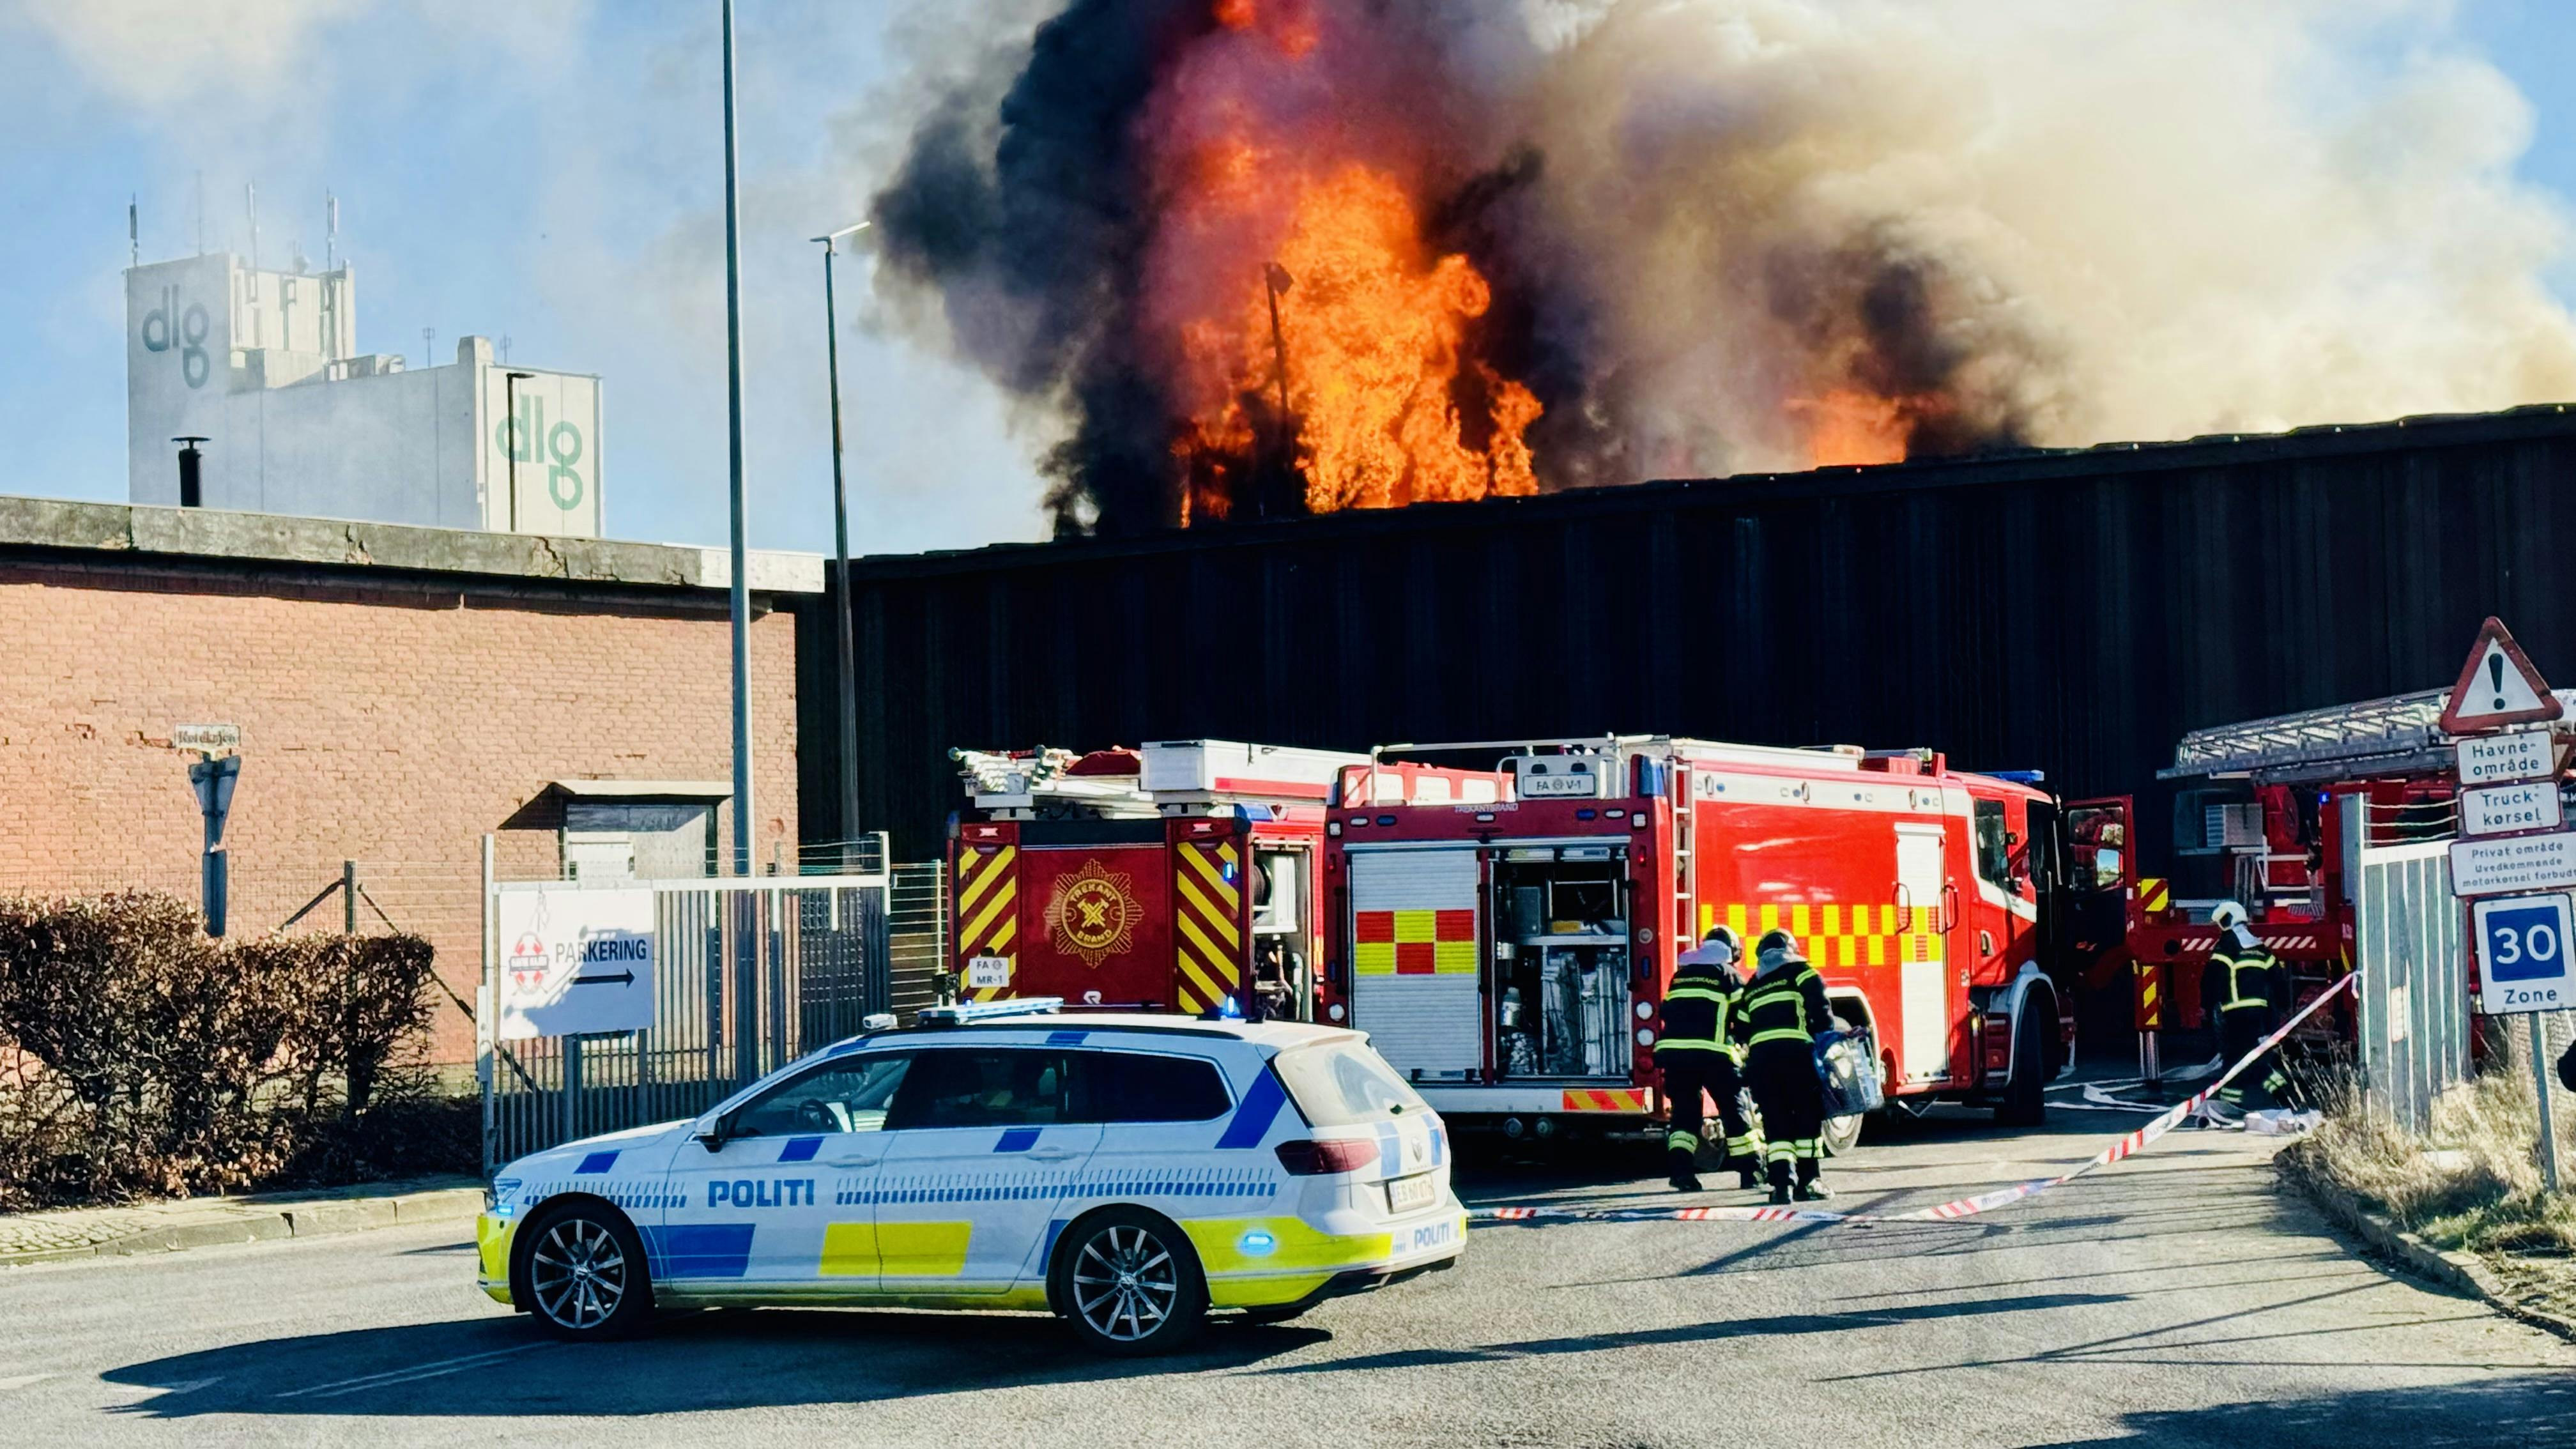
pixel 1696 1055
pixel 1779 1018
pixel 2246 989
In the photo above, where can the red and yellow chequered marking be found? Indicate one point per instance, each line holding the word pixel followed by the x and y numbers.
pixel 2154 894
pixel 1415 943
pixel 1835 935
pixel 1609 1100
pixel 1207 914
pixel 987 914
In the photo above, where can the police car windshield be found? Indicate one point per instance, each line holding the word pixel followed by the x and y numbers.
pixel 1344 1084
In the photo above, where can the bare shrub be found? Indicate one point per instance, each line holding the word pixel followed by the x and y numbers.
pixel 140 1056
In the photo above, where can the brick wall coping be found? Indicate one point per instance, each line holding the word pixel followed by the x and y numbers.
pixel 286 538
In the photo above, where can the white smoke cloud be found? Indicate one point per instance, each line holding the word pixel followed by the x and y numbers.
pixel 2130 221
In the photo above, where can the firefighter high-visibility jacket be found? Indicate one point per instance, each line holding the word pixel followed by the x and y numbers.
pixel 1786 1003
pixel 1699 1010
pixel 2243 975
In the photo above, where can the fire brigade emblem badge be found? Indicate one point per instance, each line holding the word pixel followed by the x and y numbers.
pixel 1092 913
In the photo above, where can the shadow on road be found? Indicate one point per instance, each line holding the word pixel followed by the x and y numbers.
pixel 722 1359
pixel 1782 1324
pixel 2532 1409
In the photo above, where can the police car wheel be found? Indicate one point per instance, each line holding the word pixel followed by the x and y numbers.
pixel 1129 1283
pixel 585 1274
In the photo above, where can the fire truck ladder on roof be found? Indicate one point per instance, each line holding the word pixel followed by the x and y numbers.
pixel 2399 735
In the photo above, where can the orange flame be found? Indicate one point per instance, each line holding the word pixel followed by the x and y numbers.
pixel 1381 405
pixel 1848 427
pixel 1370 324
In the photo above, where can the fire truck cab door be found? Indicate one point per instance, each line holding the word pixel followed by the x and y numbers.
pixel 2101 869
pixel 1922 881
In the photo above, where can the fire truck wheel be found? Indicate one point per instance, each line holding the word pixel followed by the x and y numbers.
pixel 2025 1100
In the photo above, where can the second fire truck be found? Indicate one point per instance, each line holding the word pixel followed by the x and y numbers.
pixel 1505 935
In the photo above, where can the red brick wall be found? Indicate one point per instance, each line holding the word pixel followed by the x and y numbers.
pixel 390 721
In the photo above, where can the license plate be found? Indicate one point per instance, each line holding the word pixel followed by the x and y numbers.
pixel 986 972
pixel 1404 1194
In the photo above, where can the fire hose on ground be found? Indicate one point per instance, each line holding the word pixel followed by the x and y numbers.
pixel 2123 1147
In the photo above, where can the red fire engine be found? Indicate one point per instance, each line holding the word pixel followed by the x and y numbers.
pixel 1509 953
pixel 1176 877
pixel 2273 813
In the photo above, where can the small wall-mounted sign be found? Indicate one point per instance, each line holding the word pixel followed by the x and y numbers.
pixel 209 738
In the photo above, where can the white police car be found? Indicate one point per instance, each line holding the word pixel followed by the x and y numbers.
pixel 1128 1173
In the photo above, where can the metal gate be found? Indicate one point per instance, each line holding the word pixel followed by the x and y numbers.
pixel 751 973
pixel 2414 981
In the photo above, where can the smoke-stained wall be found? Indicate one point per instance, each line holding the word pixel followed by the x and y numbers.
pixel 2072 612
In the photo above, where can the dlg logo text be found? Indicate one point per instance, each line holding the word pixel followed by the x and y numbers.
pixel 188 334
pixel 519 440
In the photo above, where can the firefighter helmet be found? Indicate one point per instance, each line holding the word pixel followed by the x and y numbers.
pixel 2226 914
pixel 1777 948
pixel 1720 947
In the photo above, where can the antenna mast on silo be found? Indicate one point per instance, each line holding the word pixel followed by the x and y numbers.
pixel 133 231
pixel 330 232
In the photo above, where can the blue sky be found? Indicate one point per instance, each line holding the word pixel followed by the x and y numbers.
pixel 551 171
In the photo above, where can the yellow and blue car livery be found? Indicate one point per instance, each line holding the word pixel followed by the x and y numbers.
pixel 922 1201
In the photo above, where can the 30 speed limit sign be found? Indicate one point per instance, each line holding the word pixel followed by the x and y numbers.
pixel 2522 954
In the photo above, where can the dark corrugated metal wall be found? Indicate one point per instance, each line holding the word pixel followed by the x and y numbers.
pixel 2072 612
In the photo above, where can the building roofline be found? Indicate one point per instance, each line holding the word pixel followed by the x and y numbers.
pixel 277 538
pixel 2021 466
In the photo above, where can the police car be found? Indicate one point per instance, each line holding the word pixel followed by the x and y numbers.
pixel 1126 1173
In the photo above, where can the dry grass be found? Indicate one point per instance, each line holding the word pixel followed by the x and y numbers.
pixel 2475 1185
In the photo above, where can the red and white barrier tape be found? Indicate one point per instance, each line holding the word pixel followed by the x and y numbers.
pixel 2127 1146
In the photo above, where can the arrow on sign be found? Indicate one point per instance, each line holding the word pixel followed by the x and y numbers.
pixel 622 978
pixel 2497 686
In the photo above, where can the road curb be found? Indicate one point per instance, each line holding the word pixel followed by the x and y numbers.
pixel 242 1222
pixel 2462 1273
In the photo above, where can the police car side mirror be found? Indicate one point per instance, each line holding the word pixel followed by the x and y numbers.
pixel 712 1136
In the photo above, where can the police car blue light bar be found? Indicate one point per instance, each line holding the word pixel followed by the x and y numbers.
pixel 966 1011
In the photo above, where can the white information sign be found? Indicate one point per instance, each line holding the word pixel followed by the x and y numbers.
pixel 2498 759
pixel 988 973
pixel 2522 954
pixel 207 737
pixel 574 962
pixel 2511 864
pixel 2502 809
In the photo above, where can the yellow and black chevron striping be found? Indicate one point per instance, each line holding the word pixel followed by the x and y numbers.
pixel 1207 917
pixel 988 897
pixel 1840 935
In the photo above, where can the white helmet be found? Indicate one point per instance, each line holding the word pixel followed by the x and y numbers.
pixel 2226 914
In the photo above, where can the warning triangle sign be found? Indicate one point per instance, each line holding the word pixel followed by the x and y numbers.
pixel 2497 687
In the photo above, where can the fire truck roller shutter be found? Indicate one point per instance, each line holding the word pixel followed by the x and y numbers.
pixel 1923 1002
pixel 1414 958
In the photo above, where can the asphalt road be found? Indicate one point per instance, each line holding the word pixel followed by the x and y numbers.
pixel 2174 1300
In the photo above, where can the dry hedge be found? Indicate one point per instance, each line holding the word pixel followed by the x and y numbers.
pixel 140 1056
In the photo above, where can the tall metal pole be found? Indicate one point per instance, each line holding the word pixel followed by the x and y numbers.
pixel 2540 1089
pixel 741 591
pixel 849 691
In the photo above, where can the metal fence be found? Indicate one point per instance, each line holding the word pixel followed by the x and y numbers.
pixel 2414 1029
pixel 750 973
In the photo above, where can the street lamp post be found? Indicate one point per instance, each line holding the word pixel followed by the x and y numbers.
pixel 849 691
pixel 510 399
pixel 740 593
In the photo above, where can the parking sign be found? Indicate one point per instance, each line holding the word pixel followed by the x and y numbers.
pixel 2522 954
